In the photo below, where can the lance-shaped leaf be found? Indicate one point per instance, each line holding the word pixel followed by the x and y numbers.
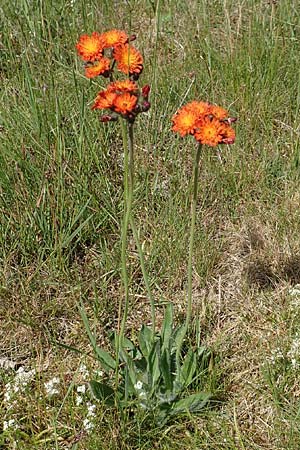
pixel 193 403
pixel 102 392
pixel 145 340
pixel 105 359
pixel 167 325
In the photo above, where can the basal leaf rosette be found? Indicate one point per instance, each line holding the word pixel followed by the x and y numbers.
pixel 209 124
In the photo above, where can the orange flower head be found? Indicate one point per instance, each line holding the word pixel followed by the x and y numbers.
pixel 199 108
pixel 210 131
pixel 184 121
pixel 218 112
pixel 124 103
pixel 129 60
pixel 123 86
pixel 228 135
pixel 104 100
pixel 90 48
pixel 114 37
pixel 101 67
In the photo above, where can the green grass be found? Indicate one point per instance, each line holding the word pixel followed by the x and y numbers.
pixel 61 205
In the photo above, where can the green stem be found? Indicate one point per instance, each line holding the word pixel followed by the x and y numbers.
pixel 136 236
pixel 190 258
pixel 128 196
pixel 130 145
pixel 192 233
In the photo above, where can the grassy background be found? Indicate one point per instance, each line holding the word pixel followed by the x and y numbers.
pixel 61 205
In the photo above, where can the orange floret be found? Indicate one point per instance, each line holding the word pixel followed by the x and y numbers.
pixel 199 108
pixel 218 112
pixel 129 60
pixel 123 86
pixel 228 135
pixel 90 48
pixel 114 37
pixel 210 131
pixel 184 121
pixel 101 67
pixel 104 100
pixel 124 103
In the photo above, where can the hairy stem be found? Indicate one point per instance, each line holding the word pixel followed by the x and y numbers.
pixel 192 233
pixel 136 236
pixel 190 257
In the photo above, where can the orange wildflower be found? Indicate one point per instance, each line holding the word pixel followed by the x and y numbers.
pixel 184 121
pixel 129 60
pixel 210 131
pixel 228 135
pixel 124 103
pixel 114 37
pixel 90 48
pixel 218 112
pixel 104 100
pixel 199 108
pixel 101 67
pixel 123 86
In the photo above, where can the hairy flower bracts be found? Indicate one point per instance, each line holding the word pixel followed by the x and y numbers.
pixel 209 124
pixel 102 54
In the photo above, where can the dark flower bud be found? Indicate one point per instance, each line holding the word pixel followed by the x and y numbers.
pixel 146 91
pixel 137 109
pixel 145 106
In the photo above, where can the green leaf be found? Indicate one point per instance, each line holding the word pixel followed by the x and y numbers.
pixel 126 343
pixel 188 368
pixel 145 340
pixel 102 392
pixel 153 364
pixel 178 335
pixel 167 326
pixel 165 366
pixel 105 359
pixel 193 403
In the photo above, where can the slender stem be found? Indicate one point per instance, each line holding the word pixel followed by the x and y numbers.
pixel 192 233
pixel 128 169
pixel 135 233
pixel 128 195
pixel 190 258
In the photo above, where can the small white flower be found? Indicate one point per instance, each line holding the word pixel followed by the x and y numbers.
pixel 142 395
pixel 84 371
pixel 88 425
pixel 138 385
pixel 22 377
pixel 51 386
pixel 78 400
pixel 295 291
pixel 91 409
pixel 81 389
pixel 8 424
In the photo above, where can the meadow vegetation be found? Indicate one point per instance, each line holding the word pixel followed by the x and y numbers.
pixel 61 185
